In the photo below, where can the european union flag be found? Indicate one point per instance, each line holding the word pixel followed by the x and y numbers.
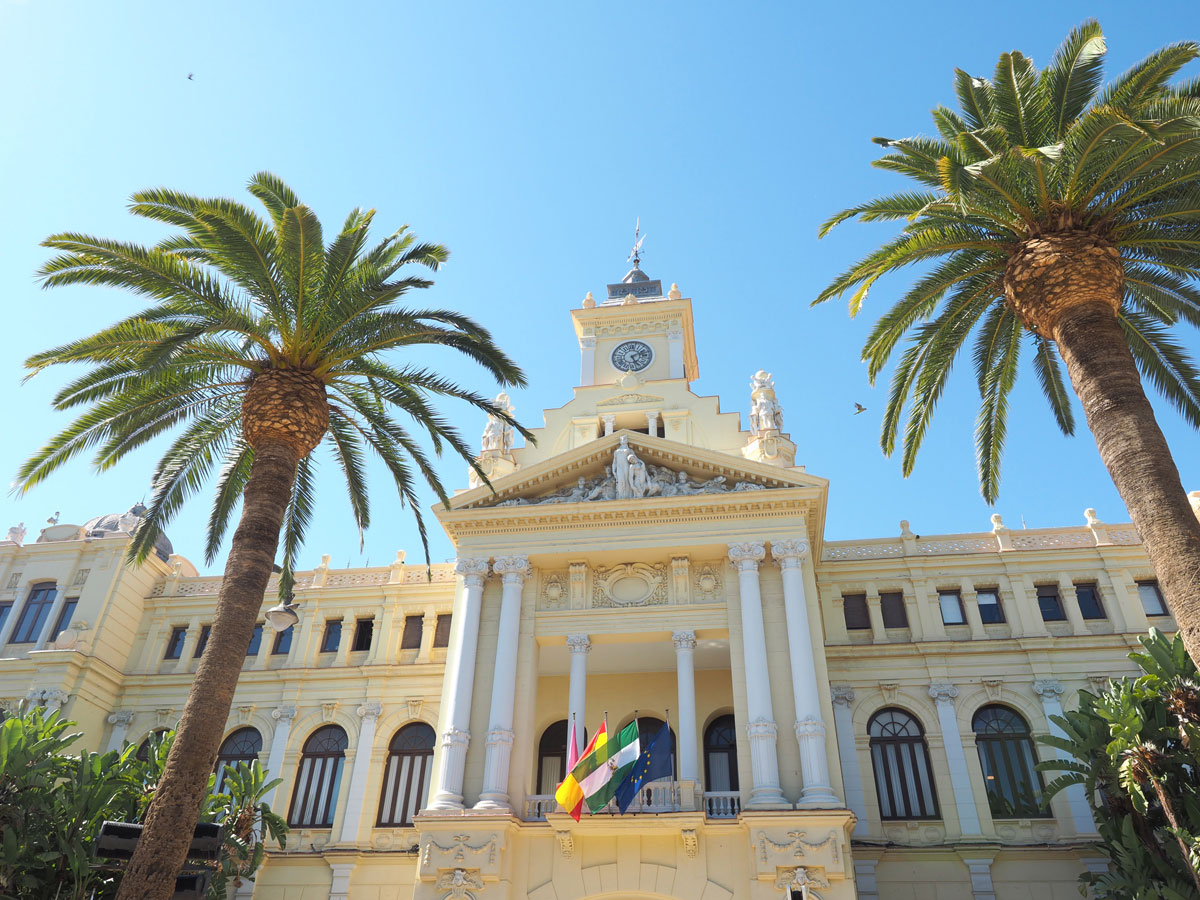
pixel 654 763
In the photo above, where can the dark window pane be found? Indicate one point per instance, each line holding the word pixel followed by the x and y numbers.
pixel 283 641
pixel 1089 601
pixel 894 613
pixel 243 746
pixel 990 610
pixel 857 617
pixel 1014 787
pixel 1050 604
pixel 332 636
pixel 952 608
pixel 900 760
pixel 64 617
pixel 201 644
pixel 411 639
pixel 34 614
pixel 255 641
pixel 5 612
pixel 441 635
pixel 363 629
pixel 1151 596
pixel 175 643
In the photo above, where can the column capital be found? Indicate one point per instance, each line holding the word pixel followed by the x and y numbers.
pixel 747 555
pixel 370 711
pixel 1048 688
pixel 578 643
pixel 587 341
pixel 789 553
pixel 472 569
pixel 684 640
pixel 943 692
pixel 122 717
pixel 841 694
pixel 514 569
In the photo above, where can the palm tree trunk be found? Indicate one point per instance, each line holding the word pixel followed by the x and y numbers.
pixel 1133 448
pixel 162 850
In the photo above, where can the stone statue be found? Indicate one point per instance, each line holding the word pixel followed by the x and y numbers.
pixel 765 412
pixel 498 434
pixel 624 463
pixel 16 534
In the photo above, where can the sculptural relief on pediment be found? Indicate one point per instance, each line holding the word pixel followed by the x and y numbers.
pixel 630 584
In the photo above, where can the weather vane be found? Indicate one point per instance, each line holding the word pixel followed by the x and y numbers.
pixel 636 253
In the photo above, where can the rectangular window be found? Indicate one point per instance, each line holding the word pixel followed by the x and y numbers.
pixel 894 613
pixel 990 610
pixel 175 643
pixel 952 608
pixel 255 640
pixel 64 617
pixel 283 642
pixel 857 617
pixel 441 634
pixel 411 639
pixel 5 612
pixel 1088 597
pixel 34 615
pixel 363 630
pixel 1051 605
pixel 332 636
pixel 205 631
pixel 1152 599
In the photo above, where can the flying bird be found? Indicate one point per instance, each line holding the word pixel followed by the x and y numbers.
pixel 859 408
pixel 191 76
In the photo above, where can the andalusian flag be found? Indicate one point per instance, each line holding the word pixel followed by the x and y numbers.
pixel 611 764
pixel 570 794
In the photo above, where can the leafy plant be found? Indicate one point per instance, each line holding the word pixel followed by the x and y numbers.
pixel 1135 749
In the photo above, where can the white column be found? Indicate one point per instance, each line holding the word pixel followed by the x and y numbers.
pixel 652 423
pixel 369 714
pixel 764 759
pixel 843 723
pixel 685 677
pixel 960 779
pixel 283 716
pixel 120 720
pixel 1048 691
pixel 461 678
pixel 578 645
pixel 587 360
pixel 610 423
pixel 513 570
pixel 810 727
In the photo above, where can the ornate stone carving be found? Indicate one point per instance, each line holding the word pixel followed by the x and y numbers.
pixel 790 554
pixel 766 415
pixel 165 717
pixel 810 726
pixel 16 534
pixel 800 879
pixel 747 555
pixel 943 692
pixel 708 583
pixel 566 844
pixel 578 643
pixel 460 850
pixel 889 690
pixel 680 582
pixel 414 708
pixel 627 399
pixel 630 584
pixel 691 842
pixel 453 736
pixel 244 713
pixel 762 730
pixel 51 698
pixel 684 640
pixel 498 736
pixel 498 434
pixel 841 694
pixel 513 569
pixel 458 883
pixel 993 687
pixel 284 713
pixel 328 708
pixel 554 591
pixel 81 576
pixel 1048 688
pixel 121 718
pixel 797 845
pixel 370 710
pixel 472 569
pixel 578 584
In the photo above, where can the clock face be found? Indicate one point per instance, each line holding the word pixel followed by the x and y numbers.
pixel 632 356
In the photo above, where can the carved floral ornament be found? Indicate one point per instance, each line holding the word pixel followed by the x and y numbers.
pixel 631 584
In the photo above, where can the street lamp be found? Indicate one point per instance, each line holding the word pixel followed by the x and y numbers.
pixel 283 616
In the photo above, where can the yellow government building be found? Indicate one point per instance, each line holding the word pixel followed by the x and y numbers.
pixel 852 718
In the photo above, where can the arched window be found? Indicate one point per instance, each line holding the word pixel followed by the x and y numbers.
pixel 406 780
pixel 143 750
pixel 720 755
pixel 552 757
pixel 318 778
pixel 1014 787
pixel 243 746
pixel 900 760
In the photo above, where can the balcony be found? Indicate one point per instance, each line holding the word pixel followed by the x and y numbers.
pixel 656 797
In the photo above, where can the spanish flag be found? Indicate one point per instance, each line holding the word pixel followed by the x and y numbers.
pixel 570 794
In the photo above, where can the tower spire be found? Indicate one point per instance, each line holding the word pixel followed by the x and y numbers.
pixel 635 255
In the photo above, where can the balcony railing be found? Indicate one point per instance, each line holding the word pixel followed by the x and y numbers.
pixel 656 797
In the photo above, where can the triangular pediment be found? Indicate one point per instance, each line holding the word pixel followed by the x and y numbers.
pixel 657 469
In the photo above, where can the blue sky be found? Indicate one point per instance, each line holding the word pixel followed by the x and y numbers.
pixel 528 138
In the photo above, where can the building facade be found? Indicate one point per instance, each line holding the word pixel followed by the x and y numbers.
pixel 850 718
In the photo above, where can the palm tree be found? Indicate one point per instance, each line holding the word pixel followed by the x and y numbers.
pixel 1059 218
pixel 260 343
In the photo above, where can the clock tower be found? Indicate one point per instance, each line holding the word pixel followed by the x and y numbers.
pixel 636 330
